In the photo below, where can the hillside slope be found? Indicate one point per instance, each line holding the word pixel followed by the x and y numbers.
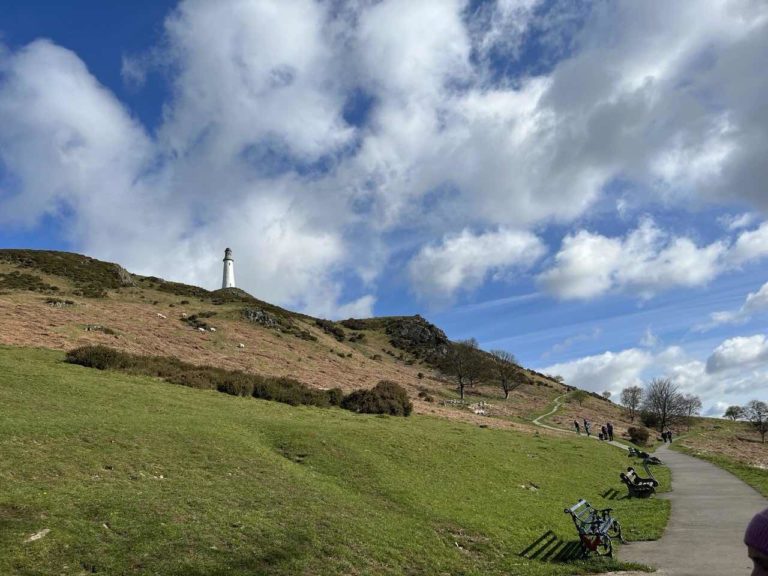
pixel 60 300
pixel 126 475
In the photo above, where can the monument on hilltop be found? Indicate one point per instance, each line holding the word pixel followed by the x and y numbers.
pixel 229 270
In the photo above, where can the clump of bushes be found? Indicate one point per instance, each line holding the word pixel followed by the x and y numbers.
pixel 649 419
pixel 195 321
pixel 388 398
pixel 331 328
pixel 385 398
pixel 638 435
pixel 24 281
pixel 426 396
pixel 354 324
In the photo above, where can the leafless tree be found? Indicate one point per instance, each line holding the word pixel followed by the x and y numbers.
pixel 691 406
pixel 506 369
pixel 734 412
pixel 607 394
pixel 465 363
pixel 757 413
pixel 663 400
pixel 632 399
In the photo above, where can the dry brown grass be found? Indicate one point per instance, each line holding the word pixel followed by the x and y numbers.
pixel 736 441
pixel 25 320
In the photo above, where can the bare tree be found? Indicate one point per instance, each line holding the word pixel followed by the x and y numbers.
pixel 632 398
pixel 757 413
pixel 607 394
pixel 663 401
pixel 465 363
pixel 507 370
pixel 691 406
pixel 734 412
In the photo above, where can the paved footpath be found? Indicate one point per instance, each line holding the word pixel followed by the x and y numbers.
pixel 710 511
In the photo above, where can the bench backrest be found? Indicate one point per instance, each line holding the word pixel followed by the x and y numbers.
pixel 583 514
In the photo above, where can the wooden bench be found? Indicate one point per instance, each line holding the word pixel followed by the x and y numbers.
pixel 596 528
pixel 636 485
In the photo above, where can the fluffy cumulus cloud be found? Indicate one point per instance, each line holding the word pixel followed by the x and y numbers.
pixel 305 133
pixel 462 262
pixel 740 352
pixel 735 372
pixel 611 371
pixel 646 261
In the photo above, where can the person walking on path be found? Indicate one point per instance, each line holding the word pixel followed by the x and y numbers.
pixel 756 539
pixel 604 432
pixel 578 428
pixel 669 436
pixel 586 426
pixel 609 427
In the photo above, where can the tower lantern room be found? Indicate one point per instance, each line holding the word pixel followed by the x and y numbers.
pixel 229 270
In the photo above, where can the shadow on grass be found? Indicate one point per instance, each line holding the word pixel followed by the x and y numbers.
pixel 612 494
pixel 549 548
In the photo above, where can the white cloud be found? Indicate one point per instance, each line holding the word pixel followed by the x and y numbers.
pixel 756 303
pixel 462 262
pixel 646 261
pixel 737 221
pixel 740 352
pixel 672 104
pixel 714 381
pixel 608 371
pixel 750 245
pixel 649 339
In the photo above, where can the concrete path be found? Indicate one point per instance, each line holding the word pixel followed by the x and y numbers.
pixel 710 511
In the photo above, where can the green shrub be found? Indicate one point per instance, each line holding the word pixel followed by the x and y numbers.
pixel 99 357
pixel 200 379
pixel 23 281
pixel 649 419
pixel 385 398
pixel 331 328
pixel 638 435
pixel 236 384
pixel 335 396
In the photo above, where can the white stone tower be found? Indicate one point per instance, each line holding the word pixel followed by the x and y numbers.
pixel 229 270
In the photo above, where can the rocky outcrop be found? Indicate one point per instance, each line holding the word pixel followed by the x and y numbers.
pixel 418 337
pixel 275 322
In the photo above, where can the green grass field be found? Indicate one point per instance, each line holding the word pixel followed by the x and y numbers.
pixel 133 475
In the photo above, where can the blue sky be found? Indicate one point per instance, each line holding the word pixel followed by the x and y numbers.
pixel 579 183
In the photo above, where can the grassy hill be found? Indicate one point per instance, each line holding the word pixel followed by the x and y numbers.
pixel 59 300
pixel 132 475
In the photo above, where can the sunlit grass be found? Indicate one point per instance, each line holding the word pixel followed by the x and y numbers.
pixel 136 476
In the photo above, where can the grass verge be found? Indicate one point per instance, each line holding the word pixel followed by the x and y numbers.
pixel 132 475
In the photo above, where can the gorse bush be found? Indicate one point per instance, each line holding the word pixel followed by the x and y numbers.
pixel 638 435
pixel 23 281
pixel 385 398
